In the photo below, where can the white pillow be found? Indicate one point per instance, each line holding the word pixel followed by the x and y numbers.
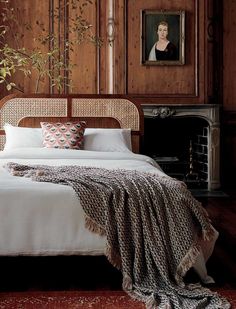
pixel 20 137
pixel 95 139
pixel 107 140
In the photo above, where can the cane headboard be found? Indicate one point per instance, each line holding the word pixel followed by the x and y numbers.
pixel 98 111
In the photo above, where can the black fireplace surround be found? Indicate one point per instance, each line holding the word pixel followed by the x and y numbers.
pixel 185 141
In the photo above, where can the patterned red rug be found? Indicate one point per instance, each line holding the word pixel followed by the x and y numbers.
pixel 79 300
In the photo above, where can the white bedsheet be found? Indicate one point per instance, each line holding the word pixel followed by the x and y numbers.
pixel 47 219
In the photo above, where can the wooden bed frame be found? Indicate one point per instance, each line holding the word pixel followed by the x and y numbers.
pixel 99 111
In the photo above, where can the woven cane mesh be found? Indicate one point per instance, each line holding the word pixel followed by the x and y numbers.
pixel 16 109
pixel 122 110
pixel 2 141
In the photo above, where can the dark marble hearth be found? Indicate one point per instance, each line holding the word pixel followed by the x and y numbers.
pixel 206 193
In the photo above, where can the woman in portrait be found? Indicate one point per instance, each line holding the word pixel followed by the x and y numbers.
pixel 163 49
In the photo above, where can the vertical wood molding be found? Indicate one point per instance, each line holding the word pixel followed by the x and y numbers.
pixel 110 48
pixel 58 28
pixel 65 48
pixel 125 46
pixel 120 48
pixel 196 65
pixel 98 33
pixel 214 30
pixel 51 42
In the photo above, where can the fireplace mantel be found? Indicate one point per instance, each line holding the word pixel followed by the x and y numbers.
pixel 209 112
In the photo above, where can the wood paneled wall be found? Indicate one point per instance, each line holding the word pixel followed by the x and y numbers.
pixel 194 82
pixel 206 77
pixel 168 81
pixel 116 67
pixel 85 74
pixel 84 56
pixel 229 55
pixel 27 14
pixel 229 93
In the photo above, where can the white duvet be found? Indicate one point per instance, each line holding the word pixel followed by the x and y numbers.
pixel 47 219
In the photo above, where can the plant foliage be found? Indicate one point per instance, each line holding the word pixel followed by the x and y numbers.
pixel 45 59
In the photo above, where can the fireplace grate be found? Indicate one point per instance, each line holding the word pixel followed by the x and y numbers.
pixel 180 170
pixel 181 153
pixel 185 141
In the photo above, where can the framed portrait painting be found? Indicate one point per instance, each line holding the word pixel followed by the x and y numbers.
pixel 163 37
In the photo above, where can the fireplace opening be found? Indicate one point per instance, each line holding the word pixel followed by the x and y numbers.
pixel 180 145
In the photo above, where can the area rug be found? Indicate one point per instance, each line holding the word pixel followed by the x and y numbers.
pixel 79 300
pixel 68 300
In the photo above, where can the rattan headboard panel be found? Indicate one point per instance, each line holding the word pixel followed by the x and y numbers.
pixel 28 111
pixel 124 111
pixel 18 108
pixel 15 109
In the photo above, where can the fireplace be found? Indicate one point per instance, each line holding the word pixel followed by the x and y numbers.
pixel 185 141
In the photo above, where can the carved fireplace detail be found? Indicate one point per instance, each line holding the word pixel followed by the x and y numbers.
pixel 203 154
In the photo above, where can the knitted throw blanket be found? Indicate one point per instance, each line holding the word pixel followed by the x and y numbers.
pixel 153 228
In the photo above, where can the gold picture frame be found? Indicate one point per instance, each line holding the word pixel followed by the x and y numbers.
pixel 162 37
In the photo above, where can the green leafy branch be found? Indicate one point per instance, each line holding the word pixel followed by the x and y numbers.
pixel 35 62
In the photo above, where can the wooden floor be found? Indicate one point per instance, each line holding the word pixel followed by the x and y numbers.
pixel 222 264
pixel 95 273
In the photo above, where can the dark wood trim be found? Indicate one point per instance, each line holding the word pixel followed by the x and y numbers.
pixel 51 42
pixel 196 64
pixel 98 53
pixel 69 107
pixel 59 31
pixel 65 47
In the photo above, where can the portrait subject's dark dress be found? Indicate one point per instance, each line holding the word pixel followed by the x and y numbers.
pixel 170 53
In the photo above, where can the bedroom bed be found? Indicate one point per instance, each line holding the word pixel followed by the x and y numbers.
pixel 46 218
pixel 54 225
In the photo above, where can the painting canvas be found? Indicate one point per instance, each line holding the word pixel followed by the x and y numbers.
pixel 163 37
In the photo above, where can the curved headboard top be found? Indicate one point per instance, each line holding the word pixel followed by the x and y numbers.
pixel 107 111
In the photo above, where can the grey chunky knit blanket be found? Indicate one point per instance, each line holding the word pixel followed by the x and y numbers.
pixel 153 226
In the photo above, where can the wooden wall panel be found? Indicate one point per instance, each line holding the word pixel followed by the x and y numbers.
pixel 103 50
pixel 26 13
pixel 190 83
pixel 84 74
pixel 97 72
pixel 120 45
pixel 229 55
pixel 213 50
pixel 229 94
pixel 85 56
pixel 168 81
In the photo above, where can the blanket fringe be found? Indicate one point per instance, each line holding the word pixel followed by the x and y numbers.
pixel 93 227
pixel 151 303
pixel 191 256
pixel 146 296
pixel 127 283
pixel 113 257
pixel 208 234
pixel 186 263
